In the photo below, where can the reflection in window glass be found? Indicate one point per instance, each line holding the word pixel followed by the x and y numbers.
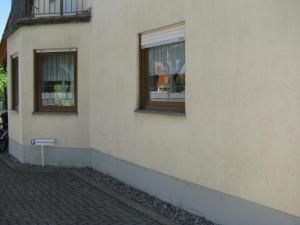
pixel 57 80
pixel 167 73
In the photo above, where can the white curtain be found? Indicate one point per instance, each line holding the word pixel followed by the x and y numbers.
pixel 58 80
pixel 167 59
pixel 58 68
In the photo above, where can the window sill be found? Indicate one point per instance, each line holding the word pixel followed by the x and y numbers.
pixel 55 113
pixel 162 112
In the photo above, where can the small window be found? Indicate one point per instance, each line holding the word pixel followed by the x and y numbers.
pixel 162 84
pixel 56 82
pixel 15 84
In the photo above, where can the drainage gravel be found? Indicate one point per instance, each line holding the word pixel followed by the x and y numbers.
pixel 178 215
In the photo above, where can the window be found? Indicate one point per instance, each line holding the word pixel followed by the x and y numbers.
pixel 162 80
pixel 56 82
pixel 15 84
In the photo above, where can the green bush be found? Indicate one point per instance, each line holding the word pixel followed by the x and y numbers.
pixel 3 82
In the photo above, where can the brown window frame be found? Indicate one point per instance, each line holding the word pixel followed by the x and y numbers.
pixel 145 102
pixel 15 83
pixel 37 100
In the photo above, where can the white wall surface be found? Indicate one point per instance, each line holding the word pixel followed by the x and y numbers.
pixel 15 118
pixel 67 130
pixel 241 131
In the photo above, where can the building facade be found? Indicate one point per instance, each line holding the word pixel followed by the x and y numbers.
pixel 193 101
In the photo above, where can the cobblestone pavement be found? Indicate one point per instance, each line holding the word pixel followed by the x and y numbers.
pixel 60 199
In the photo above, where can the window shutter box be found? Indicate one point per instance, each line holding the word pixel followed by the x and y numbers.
pixel 169 35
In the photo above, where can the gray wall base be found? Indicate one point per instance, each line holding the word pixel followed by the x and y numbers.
pixel 65 157
pixel 215 206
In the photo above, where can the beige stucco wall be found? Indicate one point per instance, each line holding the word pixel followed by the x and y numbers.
pixel 15 118
pixel 241 131
pixel 68 130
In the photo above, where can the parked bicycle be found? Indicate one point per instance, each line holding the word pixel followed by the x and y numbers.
pixel 4 133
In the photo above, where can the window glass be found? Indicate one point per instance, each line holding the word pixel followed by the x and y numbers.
pixel 57 80
pixel 166 73
pixel 15 83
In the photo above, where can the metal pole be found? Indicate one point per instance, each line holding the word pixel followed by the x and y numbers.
pixel 43 164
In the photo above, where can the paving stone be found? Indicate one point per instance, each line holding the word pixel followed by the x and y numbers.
pixel 41 198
